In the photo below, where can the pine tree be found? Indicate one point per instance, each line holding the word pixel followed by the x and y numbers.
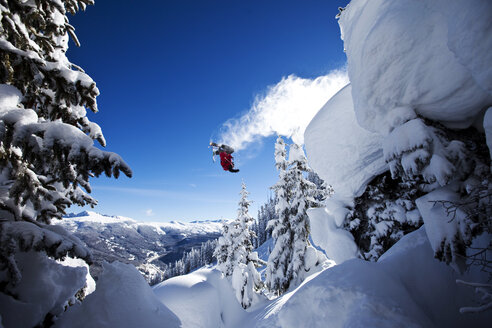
pixel 271 214
pixel 265 213
pixel 259 231
pixel 276 278
pixel 324 190
pixel 305 194
pixel 47 153
pixel 383 214
pixel 245 278
pixel 223 251
pixel 207 251
pixel 254 240
pixel 292 255
pixel 235 256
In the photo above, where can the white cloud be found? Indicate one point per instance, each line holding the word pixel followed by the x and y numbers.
pixel 149 212
pixel 286 109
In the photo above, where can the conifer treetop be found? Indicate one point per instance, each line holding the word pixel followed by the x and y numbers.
pixel 280 154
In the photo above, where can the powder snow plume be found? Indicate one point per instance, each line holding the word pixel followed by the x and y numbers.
pixel 285 109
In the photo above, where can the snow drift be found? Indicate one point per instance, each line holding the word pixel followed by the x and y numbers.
pixel 203 298
pixel 343 154
pixel 46 286
pixel 347 157
pixel 408 58
pixel 407 287
pixel 122 299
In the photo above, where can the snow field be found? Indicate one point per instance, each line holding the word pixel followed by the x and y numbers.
pixel 407 287
pixel 122 299
pixel 203 298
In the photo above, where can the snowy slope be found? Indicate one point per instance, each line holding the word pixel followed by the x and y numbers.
pixel 93 217
pixel 147 245
pixel 406 288
pixel 122 299
pixel 202 299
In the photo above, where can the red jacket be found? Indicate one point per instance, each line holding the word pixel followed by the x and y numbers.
pixel 226 161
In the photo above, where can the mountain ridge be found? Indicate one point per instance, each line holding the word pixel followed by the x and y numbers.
pixel 149 246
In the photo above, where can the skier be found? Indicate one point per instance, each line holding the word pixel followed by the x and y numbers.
pixel 226 159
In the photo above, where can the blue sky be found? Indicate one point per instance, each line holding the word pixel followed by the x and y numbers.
pixel 171 73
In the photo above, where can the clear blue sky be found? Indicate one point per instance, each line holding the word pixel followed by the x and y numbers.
pixel 172 72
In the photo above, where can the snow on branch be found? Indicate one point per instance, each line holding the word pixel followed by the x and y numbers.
pixel 26 236
pixel 485 292
pixel 49 160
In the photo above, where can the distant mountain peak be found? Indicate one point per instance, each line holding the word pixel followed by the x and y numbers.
pixel 77 215
pixel 97 217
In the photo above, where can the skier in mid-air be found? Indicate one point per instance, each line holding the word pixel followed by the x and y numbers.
pixel 226 160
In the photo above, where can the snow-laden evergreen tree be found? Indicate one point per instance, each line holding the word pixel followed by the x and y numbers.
pixel 383 214
pixel 207 251
pixel 47 153
pixel 254 228
pixel 261 227
pixel 293 257
pixel 446 164
pixel 324 190
pixel 245 278
pixel 453 163
pixel 260 230
pixel 193 259
pixel 305 194
pixel 276 276
pixel 223 251
pixel 265 213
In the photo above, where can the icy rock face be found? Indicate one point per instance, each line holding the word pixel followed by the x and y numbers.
pixel 413 57
pixel 342 153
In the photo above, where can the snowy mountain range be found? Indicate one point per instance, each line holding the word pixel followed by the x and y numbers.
pixel 150 246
